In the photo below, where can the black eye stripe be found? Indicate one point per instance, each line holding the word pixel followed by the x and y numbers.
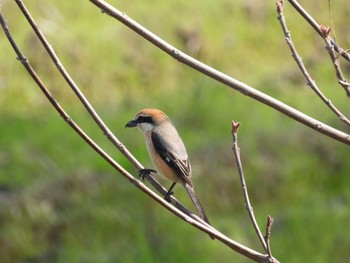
pixel 144 119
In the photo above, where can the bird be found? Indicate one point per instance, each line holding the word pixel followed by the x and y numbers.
pixel 167 152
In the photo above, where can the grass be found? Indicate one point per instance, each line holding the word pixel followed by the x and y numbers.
pixel 60 202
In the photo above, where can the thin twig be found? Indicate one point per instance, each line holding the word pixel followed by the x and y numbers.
pixel 335 60
pixel 106 131
pixel 221 77
pixel 269 224
pixel 330 43
pixel 254 255
pixel 316 26
pixel 236 151
pixel 310 82
pixel 75 87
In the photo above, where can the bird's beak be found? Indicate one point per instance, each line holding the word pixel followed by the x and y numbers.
pixel 130 124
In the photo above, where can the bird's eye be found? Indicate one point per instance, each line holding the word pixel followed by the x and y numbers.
pixel 144 119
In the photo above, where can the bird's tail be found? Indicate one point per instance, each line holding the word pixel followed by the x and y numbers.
pixel 196 202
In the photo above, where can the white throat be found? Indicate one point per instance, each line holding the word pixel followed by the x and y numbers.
pixel 145 127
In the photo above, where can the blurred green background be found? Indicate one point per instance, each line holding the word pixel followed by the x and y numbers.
pixel 60 202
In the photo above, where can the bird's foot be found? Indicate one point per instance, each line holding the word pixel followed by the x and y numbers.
pixel 168 195
pixel 144 172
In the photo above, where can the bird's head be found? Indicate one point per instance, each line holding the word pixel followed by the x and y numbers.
pixel 147 119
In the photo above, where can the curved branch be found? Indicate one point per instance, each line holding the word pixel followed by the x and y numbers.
pixel 221 77
pixel 75 88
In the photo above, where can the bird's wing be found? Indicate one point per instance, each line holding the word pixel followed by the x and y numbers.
pixel 170 152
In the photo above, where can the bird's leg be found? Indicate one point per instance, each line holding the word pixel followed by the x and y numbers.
pixel 169 193
pixel 144 172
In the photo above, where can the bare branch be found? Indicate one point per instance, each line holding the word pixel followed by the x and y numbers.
pixel 221 77
pixel 269 224
pixel 75 88
pixel 310 82
pixel 236 151
pixel 316 26
pixel 335 60
pixel 62 112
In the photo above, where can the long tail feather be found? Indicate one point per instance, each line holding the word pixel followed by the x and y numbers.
pixel 196 202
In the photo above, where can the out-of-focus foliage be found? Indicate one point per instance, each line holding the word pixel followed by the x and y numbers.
pixel 60 202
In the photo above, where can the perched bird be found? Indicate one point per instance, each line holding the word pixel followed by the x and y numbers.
pixel 167 152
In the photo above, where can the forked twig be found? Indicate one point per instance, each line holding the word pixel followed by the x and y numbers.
pixel 254 255
pixel 316 26
pixel 221 77
pixel 330 43
pixel 310 82
pixel 236 151
pixel 335 60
